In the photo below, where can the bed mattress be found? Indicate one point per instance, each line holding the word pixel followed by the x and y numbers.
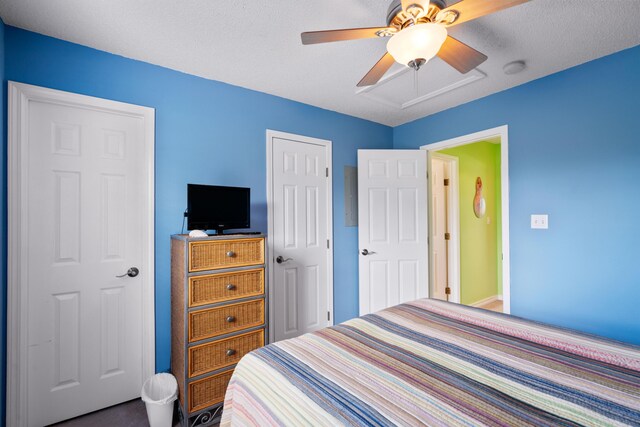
pixel 430 362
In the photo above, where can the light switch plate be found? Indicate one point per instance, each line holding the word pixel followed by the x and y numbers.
pixel 540 221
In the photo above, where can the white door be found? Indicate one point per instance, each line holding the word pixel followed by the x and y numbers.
pixel 300 233
pixel 392 233
pixel 439 228
pixel 87 192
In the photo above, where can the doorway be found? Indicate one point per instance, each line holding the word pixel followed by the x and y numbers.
pixel 80 332
pixel 299 206
pixel 473 259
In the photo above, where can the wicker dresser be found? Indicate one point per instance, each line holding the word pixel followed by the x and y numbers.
pixel 218 312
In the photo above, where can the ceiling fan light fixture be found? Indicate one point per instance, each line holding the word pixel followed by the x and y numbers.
pixel 417 42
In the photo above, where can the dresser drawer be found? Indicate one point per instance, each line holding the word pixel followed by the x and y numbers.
pixel 208 391
pixel 225 286
pixel 223 320
pixel 209 357
pixel 211 255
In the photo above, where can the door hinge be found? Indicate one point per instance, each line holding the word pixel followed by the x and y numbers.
pixel 446 182
pixel 327 172
pixel 447 236
pixel 329 316
pixel 447 291
pixel 327 243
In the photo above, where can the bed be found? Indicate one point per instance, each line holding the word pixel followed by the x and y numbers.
pixel 430 362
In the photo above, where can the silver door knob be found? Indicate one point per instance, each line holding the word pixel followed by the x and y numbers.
pixel 132 272
pixel 280 259
pixel 366 252
pixel 231 352
pixel 231 254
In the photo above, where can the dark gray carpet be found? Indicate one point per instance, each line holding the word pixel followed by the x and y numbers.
pixel 128 414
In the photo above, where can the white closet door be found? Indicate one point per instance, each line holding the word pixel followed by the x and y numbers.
pixel 86 190
pixel 299 237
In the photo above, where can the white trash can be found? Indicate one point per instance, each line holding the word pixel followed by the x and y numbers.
pixel 158 394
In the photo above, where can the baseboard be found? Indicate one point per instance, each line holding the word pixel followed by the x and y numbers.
pixel 486 301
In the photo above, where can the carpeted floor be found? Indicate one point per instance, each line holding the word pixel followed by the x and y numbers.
pixel 128 414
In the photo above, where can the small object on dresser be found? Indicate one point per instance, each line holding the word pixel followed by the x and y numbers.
pixel 198 233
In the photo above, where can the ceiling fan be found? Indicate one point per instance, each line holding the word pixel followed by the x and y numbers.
pixel 417 31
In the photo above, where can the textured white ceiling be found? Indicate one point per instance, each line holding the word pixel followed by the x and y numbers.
pixel 256 43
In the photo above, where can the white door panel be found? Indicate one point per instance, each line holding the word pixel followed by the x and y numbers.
pixel 299 235
pixel 444 220
pixel 87 197
pixel 392 219
pixel 439 228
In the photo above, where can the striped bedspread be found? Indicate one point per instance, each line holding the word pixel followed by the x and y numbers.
pixel 429 362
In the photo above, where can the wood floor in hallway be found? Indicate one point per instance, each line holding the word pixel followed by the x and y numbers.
pixel 496 306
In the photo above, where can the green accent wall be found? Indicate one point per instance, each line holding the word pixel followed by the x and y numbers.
pixel 480 238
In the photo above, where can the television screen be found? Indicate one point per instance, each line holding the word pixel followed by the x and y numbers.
pixel 212 207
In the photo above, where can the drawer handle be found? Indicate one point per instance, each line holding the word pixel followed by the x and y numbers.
pixel 231 287
pixel 231 352
pixel 231 254
pixel 231 319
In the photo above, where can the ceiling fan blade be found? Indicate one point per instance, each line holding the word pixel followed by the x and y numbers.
pixel 471 9
pixel 378 70
pixel 313 37
pixel 460 56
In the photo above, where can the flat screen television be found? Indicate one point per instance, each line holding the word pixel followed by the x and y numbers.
pixel 213 207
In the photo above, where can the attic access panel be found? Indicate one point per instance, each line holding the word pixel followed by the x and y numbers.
pixel 403 87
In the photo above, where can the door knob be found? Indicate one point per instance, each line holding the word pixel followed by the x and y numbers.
pixel 280 259
pixel 366 252
pixel 132 272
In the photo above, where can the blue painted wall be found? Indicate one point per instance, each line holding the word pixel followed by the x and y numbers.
pixel 574 153
pixel 206 132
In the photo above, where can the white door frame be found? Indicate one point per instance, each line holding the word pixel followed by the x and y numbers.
pixel 271 134
pixel 453 219
pixel 501 134
pixel 20 95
